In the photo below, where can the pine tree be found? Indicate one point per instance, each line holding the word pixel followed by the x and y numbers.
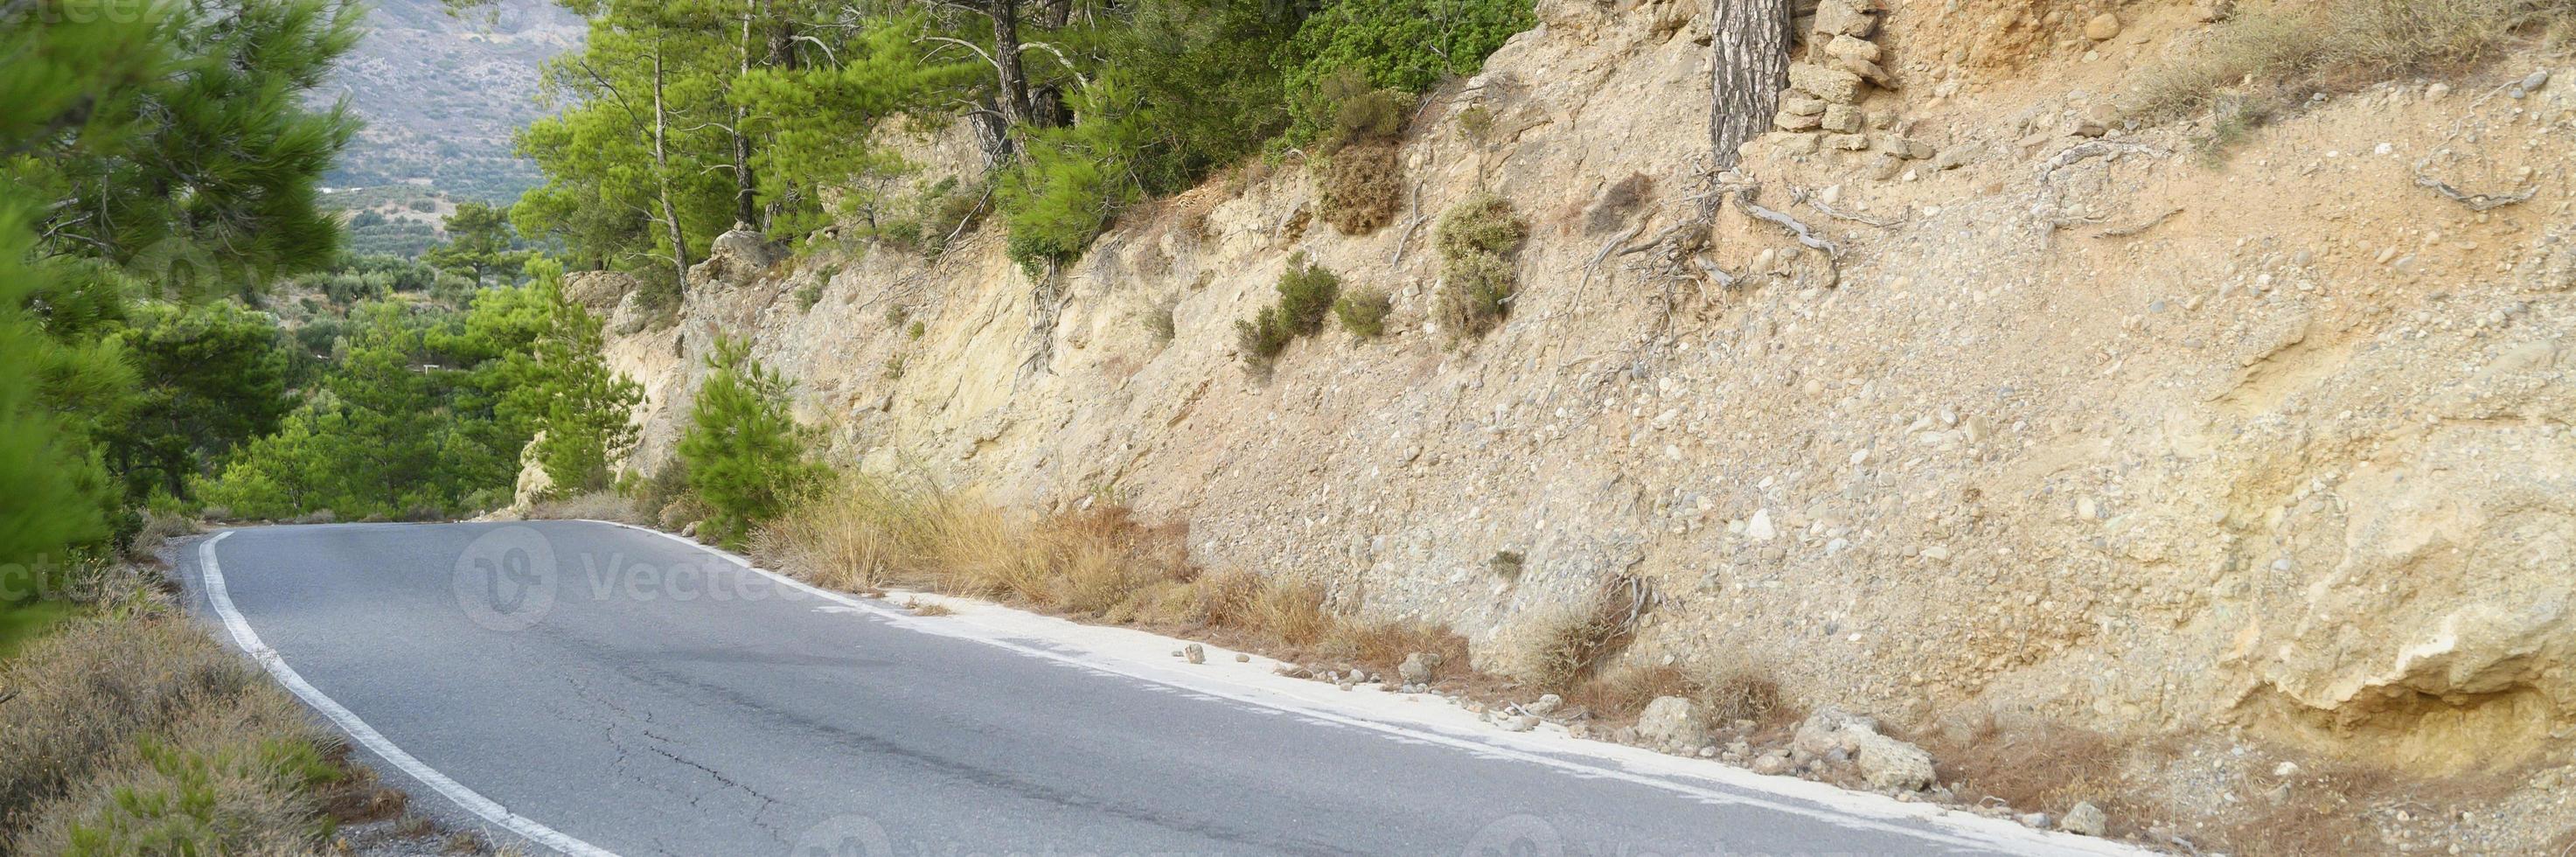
pixel 744 450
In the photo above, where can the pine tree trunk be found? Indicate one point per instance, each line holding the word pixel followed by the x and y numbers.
pixel 746 194
pixel 662 169
pixel 1006 62
pixel 1749 66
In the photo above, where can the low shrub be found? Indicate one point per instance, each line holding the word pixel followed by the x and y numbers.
pixel 1363 312
pixel 1306 297
pixel 1361 188
pixel 1361 113
pixel 745 452
pixel 1478 239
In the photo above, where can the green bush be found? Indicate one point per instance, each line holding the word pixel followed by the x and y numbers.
pixel 1262 339
pixel 1360 112
pixel 1478 239
pixel 745 452
pixel 1306 296
pixel 1404 45
pixel 1364 312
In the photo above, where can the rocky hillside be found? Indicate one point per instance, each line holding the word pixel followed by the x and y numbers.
pixel 442 94
pixel 1966 399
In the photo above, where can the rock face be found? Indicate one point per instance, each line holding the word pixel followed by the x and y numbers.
pixel 598 291
pixel 1671 723
pixel 2292 463
pixel 735 257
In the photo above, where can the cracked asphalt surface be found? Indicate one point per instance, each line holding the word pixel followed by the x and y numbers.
pixel 650 698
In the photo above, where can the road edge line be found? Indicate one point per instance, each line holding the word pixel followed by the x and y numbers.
pixel 220 598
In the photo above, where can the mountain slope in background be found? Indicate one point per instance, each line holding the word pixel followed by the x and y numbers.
pixel 442 94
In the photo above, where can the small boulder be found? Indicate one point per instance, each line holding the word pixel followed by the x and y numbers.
pixel 1544 706
pixel 1846 47
pixel 1835 85
pixel 1842 119
pixel 2085 819
pixel 1196 653
pixel 1670 722
pixel 1892 765
pixel 1418 668
pixel 2104 27
pixel 1853 18
pixel 1771 764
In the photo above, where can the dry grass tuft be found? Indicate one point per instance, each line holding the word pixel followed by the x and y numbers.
pixel 132 732
pixel 1570 643
pixel 1745 693
pixel 90 687
pixel 2047 767
pixel 927 608
pixel 594 506
pixel 1620 694
pixel 1098 562
pixel 1726 695
pixel 2267 61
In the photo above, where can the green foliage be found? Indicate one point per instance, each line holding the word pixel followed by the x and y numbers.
pixel 156 149
pixel 1403 45
pixel 1359 111
pixel 1363 312
pixel 1306 296
pixel 1478 239
pixel 745 452
pixel 426 411
pixel 480 244
pixel 212 377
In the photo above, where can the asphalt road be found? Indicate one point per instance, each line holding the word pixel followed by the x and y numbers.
pixel 600 689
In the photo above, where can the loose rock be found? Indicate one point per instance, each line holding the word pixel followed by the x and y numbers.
pixel 2085 819
pixel 1670 722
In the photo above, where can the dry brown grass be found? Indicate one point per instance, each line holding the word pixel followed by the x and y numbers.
pixel 132 732
pixel 1725 695
pixel 1569 643
pixel 594 506
pixel 927 608
pixel 2267 60
pixel 2046 767
pixel 89 688
pixel 1097 563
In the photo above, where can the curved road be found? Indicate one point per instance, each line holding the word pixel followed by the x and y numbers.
pixel 591 689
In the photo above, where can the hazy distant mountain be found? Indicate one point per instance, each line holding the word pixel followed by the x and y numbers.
pixel 442 94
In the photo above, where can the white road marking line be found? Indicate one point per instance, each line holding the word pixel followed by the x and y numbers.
pixel 367 736
pixel 1954 836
